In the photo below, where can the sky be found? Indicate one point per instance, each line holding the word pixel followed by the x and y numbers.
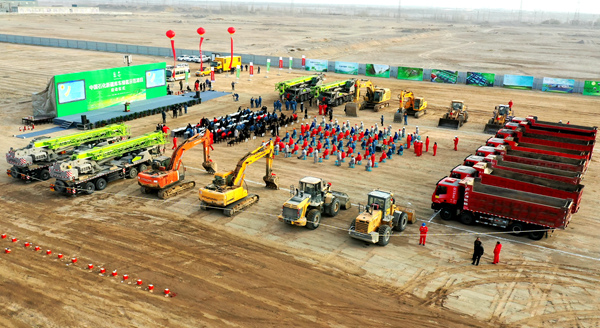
pixel 585 6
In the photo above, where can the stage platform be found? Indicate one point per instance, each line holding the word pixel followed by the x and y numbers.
pixel 138 109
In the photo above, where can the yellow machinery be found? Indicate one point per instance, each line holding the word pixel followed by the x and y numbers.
pixel 375 221
pixel 411 105
pixel 456 116
pixel 227 190
pixel 312 198
pixel 501 113
pixel 376 98
pixel 220 64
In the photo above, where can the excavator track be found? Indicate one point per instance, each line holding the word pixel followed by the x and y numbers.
pixel 232 209
pixel 176 190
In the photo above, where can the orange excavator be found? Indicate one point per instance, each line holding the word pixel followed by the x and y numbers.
pixel 167 174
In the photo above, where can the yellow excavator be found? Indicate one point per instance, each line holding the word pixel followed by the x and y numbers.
pixel 411 105
pixel 376 98
pixel 227 190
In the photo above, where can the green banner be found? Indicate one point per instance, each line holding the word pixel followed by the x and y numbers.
pixel 317 65
pixel 268 65
pixel 237 71
pixel 591 88
pixel 346 68
pixel 375 70
pixel 444 76
pixel 410 73
pixel 481 79
pixel 85 91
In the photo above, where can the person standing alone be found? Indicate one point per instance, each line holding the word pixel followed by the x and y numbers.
pixel 423 234
pixel 497 252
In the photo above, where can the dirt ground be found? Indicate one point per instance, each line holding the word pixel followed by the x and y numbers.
pixel 251 270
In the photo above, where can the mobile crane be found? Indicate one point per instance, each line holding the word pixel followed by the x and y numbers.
pixel 376 98
pixel 227 191
pixel 167 174
pixel 335 93
pixel 299 89
pixel 34 160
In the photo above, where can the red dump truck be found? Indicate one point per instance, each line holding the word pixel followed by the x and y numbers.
pixel 472 160
pixel 570 177
pixel 572 129
pixel 542 160
pixel 539 149
pixel 518 211
pixel 560 142
pixel 507 179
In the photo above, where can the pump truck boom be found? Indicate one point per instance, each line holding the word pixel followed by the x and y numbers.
pixel 335 93
pixel 167 174
pixel 34 160
pixel 91 170
pixel 227 191
pixel 299 89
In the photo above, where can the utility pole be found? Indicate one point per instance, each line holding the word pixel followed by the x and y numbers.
pixel 399 9
pixel 521 11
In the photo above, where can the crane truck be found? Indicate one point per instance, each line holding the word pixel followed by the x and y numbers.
pixel 518 211
pixel 375 98
pixel 227 191
pixel 167 174
pixel 34 160
pixel 335 93
pixel 299 89
pixel 92 170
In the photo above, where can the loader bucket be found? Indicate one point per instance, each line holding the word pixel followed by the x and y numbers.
pixel 492 128
pixel 352 109
pixel 449 123
pixel 398 117
pixel 272 181
pixel 210 167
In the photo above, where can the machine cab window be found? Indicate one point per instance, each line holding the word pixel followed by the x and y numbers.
pixel 382 204
pixel 441 190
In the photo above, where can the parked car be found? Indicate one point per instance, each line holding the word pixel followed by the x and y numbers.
pixel 183 58
pixel 194 59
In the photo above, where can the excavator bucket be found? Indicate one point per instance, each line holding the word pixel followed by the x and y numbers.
pixel 399 116
pixel 272 181
pixel 450 123
pixel 210 167
pixel 352 109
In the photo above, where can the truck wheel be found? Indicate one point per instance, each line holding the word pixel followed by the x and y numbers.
pixel 516 228
pixel 536 235
pixel 401 223
pixel 89 187
pixel 467 218
pixel 334 208
pixel 100 184
pixel 446 214
pixel 132 174
pixel 45 175
pixel 59 186
pixel 313 219
pixel 384 235
pixel 143 167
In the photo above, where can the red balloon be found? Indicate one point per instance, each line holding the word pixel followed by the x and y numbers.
pixel 170 34
pixel 201 30
pixel 231 30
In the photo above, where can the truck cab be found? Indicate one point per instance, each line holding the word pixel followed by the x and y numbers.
pixel 463 171
pixel 473 159
pixel 505 133
pixel 485 150
pixel 512 125
pixel 495 142
pixel 446 197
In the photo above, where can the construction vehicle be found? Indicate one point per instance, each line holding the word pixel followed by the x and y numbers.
pixel 167 175
pixel 308 203
pixel 227 191
pixel 539 149
pixel 518 211
pixel 376 220
pixel 560 128
pixel 299 89
pixel 375 98
pixel 456 116
pixel 92 170
pixel 335 93
pixel 500 117
pixel 411 105
pixel 220 64
pixel 507 153
pixel 519 135
pixel 33 161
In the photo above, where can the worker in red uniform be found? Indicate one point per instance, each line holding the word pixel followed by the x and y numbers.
pixel 434 148
pixel 510 103
pixel 295 148
pixel 456 143
pixel 383 156
pixel 427 144
pixel 373 160
pixel 320 109
pixel 358 157
pixel 408 141
pixel 326 152
pixel 497 252
pixel 423 234
pixel 174 143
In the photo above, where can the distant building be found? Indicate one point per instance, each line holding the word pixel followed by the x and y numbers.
pixel 12 6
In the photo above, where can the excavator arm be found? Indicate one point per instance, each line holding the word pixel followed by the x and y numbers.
pixel 190 143
pixel 267 150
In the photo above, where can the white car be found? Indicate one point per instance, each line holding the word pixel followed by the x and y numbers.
pixel 195 59
pixel 205 58
pixel 183 58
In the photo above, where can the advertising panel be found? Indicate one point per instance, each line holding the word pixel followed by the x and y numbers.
pixel 410 73
pixel 375 70
pixel 86 91
pixel 550 84
pixel 518 82
pixel 591 88
pixel 444 76
pixel 346 68
pixel 481 79
pixel 316 65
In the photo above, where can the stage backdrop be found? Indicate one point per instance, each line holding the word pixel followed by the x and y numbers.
pixel 85 91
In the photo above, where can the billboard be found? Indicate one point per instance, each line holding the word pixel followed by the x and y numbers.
pixel 346 68
pixel 591 88
pixel 550 84
pixel 444 76
pixel 316 65
pixel 518 82
pixel 481 79
pixel 86 91
pixel 375 70
pixel 410 73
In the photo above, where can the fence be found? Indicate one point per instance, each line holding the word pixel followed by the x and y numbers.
pixel 246 58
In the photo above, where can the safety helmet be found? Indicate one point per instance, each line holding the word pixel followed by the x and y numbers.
pixel 423 224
